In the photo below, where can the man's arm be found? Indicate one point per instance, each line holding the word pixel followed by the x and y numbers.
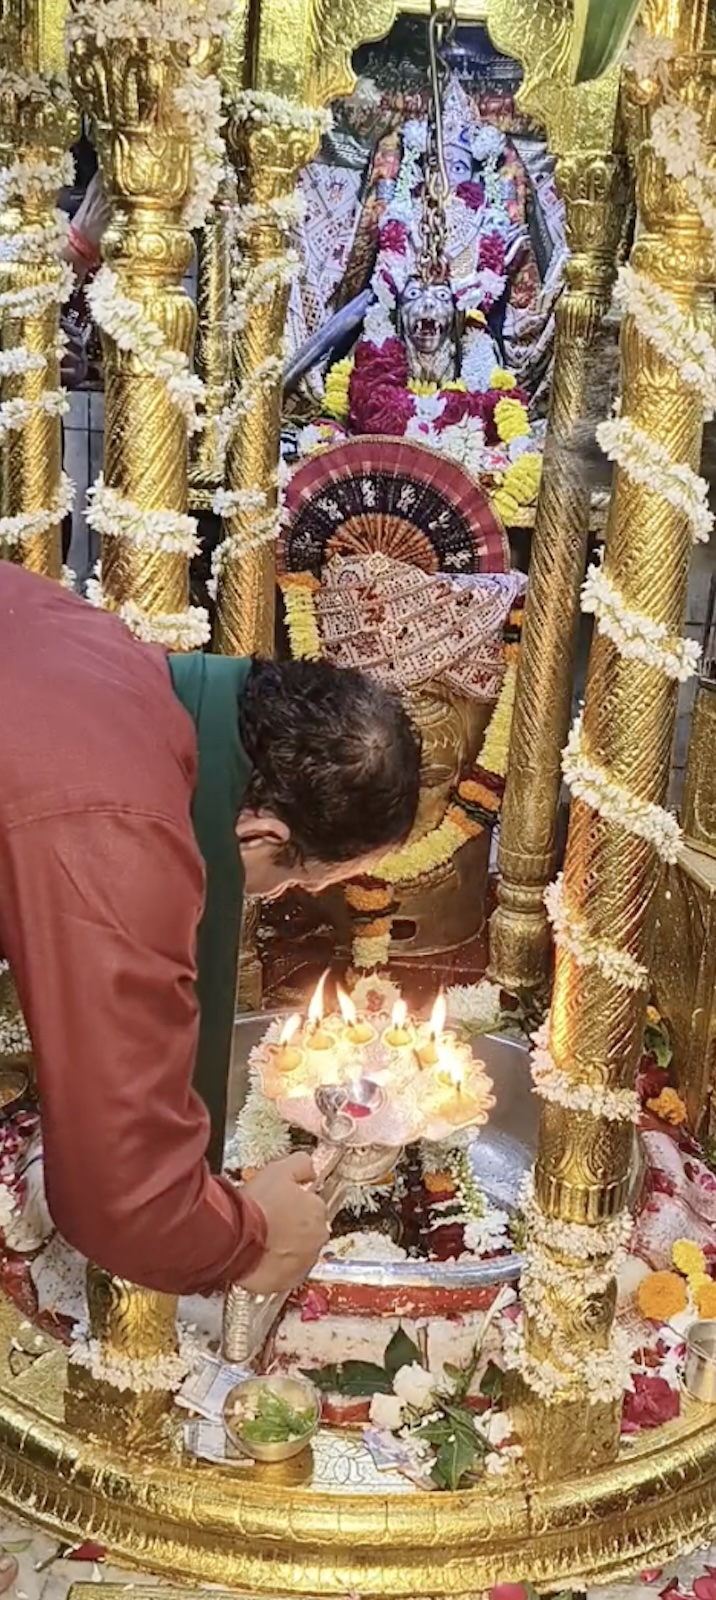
pixel 99 924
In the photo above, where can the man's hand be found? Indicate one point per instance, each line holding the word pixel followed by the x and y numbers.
pixel 296 1225
pixel 93 214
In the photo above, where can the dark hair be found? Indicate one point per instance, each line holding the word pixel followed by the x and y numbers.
pixel 335 757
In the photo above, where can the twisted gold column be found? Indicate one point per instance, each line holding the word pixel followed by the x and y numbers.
pixel 36 128
pixel 596 1024
pixel 128 89
pixel 267 160
pixel 213 342
pixel 128 1325
pixel 594 188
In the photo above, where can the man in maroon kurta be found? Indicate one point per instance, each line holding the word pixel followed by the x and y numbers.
pixel 101 894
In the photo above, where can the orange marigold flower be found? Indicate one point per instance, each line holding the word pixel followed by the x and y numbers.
pixel 706 1299
pixel 367 899
pixel 464 823
pixel 512 652
pixel 376 930
pixel 477 794
pixel 440 1183
pixel 301 580
pixel 661 1296
pixel 668 1107
pixel 247 1173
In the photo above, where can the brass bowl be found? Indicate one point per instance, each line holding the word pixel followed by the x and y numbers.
pixel 700 1369
pixel 13 1086
pixel 297 1391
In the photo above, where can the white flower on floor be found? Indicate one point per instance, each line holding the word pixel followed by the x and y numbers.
pixel 488 1233
pixel 414 1386
pixel 386 1411
pixel 475 1005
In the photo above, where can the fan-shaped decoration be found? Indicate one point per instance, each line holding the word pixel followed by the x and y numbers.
pixel 392 496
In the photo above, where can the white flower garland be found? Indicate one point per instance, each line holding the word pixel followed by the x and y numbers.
pixel 113 516
pixel 200 102
pixel 34 300
pixel 15 414
pixel 592 784
pixel 646 461
pixel 29 524
pixel 579 1240
pixel 261 109
pixel 133 331
pixel 660 319
pixel 570 934
pixel 636 636
pixel 26 176
pixel 285 212
pixel 676 136
pixel 36 240
pixel 14 1037
pixel 141 1375
pixel 261 1134
pixel 258 286
pixel 606 1374
pixel 614 1105
pixel 173 630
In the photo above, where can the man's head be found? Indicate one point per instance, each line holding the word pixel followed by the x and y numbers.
pixel 336 775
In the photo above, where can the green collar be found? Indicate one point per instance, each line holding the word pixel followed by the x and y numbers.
pixel 209 688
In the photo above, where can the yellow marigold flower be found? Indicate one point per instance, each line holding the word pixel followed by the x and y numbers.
pixel 476 319
pixel 439 1183
pixel 653 1017
pixel 668 1107
pixel 456 387
pixel 688 1257
pixel 661 1296
pixel 496 744
pixel 501 379
pixel 706 1300
pixel 426 389
pixel 511 420
pixel 699 1282
pixel 336 393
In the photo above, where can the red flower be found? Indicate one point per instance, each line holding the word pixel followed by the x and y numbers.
pixel 314 1306
pixel 394 236
pixel 380 407
pixel 447 1242
pixel 651 1080
pixel 457 406
pixel 652 1403
pixel 492 253
pixel 384 363
pixel 705 1588
pixel 472 195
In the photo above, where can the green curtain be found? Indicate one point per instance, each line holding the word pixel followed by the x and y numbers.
pixel 600 33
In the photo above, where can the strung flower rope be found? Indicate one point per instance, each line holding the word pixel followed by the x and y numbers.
pixel 660 319
pixel 592 784
pixel 42 243
pixel 260 109
pixel 579 1240
pixel 125 321
pixel 258 286
pixel 173 630
pixel 614 1105
pixel 571 934
pixel 16 530
pixel 142 1374
pixel 646 461
pixel 636 636
pixel 113 516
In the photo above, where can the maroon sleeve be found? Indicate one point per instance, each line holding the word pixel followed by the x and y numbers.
pixel 101 931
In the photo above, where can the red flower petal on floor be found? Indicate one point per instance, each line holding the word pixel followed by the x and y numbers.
pixel 86 1552
pixel 652 1402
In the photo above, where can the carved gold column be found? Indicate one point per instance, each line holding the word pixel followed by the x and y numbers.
pixel 267 160
pixel 37 122
pixel 593 183
pixel 128 87
pixel 618 765
pixel 213 342
pixel 132 1332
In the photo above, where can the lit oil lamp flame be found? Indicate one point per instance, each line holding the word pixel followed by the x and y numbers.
pixel 399 1015
pixel 315 1009
pixel 451 1069
pixel 355 1031
pixel 429 1051
pixel 290 1027
pixel 438 1017
pixel 347 1008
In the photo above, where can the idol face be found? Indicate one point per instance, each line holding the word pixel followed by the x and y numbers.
pixel 428 320
pixel 458 165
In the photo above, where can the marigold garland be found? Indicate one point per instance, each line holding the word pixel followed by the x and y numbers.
pixel 298 592
pixel 661 1296
pixel 668 1107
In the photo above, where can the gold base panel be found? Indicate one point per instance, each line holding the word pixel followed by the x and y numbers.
pixel 327 1527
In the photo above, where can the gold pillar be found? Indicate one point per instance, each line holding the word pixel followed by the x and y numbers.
pixel 594 189
pixel 580 124
pixel 213 342
pixel 131 1328
pixel 128 88
pixel 593 1039
pixel 267 160
pixel 37 123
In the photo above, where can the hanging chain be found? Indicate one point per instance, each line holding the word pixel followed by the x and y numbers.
pixel 433 264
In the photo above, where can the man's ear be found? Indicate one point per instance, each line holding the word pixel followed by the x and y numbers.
pixel 257 828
